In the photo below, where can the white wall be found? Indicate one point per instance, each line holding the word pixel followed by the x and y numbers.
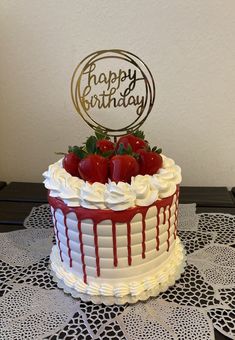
pixel 188 45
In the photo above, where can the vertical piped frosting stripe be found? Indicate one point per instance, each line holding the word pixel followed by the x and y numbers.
pixel 96 249
pixel 67 237
pixel 57 234
pixel 82 252
pixel 129 242
pixel 168 229
pixel 157 232
pixel 115 259
pixel 143 236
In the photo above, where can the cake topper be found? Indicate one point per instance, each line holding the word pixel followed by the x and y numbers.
pixel 113 90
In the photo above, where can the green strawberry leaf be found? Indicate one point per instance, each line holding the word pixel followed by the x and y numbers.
pixel 91 144
pixel 124 151
pixel 70 148
pixel 159 151
pixel 60 153
pixel 101 134
pixel 107 154
pixel 120 150
pixel 129 150
pixel 136 155
pixel 139 134
pixel 79 151
pixel 155 149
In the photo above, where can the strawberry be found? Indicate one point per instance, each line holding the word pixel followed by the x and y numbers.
pixel 133 140
pixel 93 168
pixel 72 159
pixel 105 146
pixel 70 163
pixel 149 161
pixel 122 168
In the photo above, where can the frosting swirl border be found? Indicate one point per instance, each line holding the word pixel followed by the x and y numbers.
pixel 143 190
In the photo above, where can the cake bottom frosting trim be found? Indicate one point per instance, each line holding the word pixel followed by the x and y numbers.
pixel 124 292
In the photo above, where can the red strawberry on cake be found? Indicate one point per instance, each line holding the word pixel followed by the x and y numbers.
pixel 122 168
pixel 94 168
pixel 71 160
pixel 150 161
pixel 123 165
pixel 104 146
pixel 135 140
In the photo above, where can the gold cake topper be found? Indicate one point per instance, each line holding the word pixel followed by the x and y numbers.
pixel 106 83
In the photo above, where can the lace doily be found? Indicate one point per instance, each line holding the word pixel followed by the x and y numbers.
pixel 32 307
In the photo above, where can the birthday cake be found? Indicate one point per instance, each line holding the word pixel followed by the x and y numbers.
pixel 115 216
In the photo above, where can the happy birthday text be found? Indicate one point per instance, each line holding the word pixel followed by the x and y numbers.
pixel 111 96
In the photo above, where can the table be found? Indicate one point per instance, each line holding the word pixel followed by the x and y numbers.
pixel 17 199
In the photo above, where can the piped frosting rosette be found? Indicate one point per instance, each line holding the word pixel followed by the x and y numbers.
pixel 142 191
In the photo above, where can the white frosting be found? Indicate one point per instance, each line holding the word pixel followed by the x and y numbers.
pixel 143 190
pixel 119 196
pixel 92 195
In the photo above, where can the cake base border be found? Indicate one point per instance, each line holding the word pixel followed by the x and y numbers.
pixel 172 277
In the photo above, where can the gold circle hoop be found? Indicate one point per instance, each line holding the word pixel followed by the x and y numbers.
pixel 130 58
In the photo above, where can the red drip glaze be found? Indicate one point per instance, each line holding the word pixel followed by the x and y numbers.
pixel 98 215
pixel 164 215
pixel 129 242
pixel 143 236
pixel 168 230
pixel 68 245
pixel 176 214
pixel 115 260
pixel 57 235
pixel 157 233
pixel 96 249
pixel 175 222
pixel 82 252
